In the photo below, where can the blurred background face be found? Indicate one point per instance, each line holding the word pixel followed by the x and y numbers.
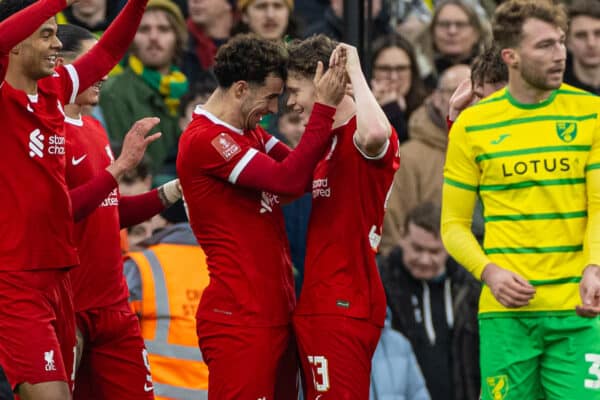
pixel 423 253
pixel 186 118
pixel 155 40
pixel 392 66
pixel 203 11
pixel 584 41
pixel 90 7
pixel 453 33
pixel 447 85
pixel 267 18
pixel 291 127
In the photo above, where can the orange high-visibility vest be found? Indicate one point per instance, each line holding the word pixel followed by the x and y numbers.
pixel 173 277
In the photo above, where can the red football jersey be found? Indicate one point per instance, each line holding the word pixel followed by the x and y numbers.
pixel 98 281
pixel 241 230
pixel 349 195
pixel 35 219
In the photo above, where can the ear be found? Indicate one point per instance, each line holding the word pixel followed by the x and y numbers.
pixel 16 49
pixel 240 88
pixel 510 57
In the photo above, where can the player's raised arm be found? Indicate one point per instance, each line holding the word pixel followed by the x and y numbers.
pixel 112 45
pixel 373 128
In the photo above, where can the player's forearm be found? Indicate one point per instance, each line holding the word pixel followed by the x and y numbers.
pixel 112 46
pixel 134 210
pixel 87 197
pixel 291 176
pixel 457 212
pixel 593 223
pixel 279 151
pixel 22 24
pixel 373 127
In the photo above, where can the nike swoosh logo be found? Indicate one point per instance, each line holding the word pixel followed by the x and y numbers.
pixel 500 138
pixel 77 161
pixel 148 388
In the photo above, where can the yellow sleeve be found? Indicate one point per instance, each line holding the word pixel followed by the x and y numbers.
pixel 592 177
pixel 459 194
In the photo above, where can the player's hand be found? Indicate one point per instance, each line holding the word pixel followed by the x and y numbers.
pixel 331 85
pixel 386 92
pixel 510 289
pixel 589 290
pixel 134 146
pixel 462 98
pixel 352 63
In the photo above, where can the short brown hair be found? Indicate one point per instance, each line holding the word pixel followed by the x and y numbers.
pixel 489 67
pixel 250 58
pixel 304 54
pixel 508 20
pixel 587 8
pixel 427 216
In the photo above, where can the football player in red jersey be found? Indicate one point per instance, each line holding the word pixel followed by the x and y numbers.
pixel 114 360
pixel 342 306
pixel 37 323
pixel 234 175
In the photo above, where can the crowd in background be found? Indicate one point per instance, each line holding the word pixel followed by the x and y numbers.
pixel 420 54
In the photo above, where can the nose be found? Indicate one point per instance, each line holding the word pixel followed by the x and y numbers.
pixel 291 101
pixel 270 12
pixel 56 43
pixel 424 258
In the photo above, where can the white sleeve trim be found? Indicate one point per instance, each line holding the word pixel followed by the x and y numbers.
pixel 239 167
pixel 75 81
pixel 376 157
pixel 271 143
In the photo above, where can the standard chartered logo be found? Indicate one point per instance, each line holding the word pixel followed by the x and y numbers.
pixel 36 144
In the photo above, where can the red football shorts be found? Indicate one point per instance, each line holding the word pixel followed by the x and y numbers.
pixel 37 326
pixel 335 354
pixel 257 363
pixel 114 363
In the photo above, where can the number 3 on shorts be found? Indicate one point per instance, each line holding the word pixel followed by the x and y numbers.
pixel 320 372
pixel 594 370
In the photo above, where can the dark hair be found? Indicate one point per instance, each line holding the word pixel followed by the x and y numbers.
pixel 304 54
pixel 588 8
pixel 489 67
pixel 72 37
pixel 202 87
pixel 250 58
pixel 426 215
pixel 508 20
pixel 417 91
pixel 10 7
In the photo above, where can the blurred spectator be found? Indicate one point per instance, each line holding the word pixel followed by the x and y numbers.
pixel 151 84
pixel 269 19
pixel 396 81
pixel 395 372
pixel 166 279
pixel 209 26
pixel 93 15
pixel 297 213
pixel 583 43
pixel 411 17
pixel 198 94
pixel 332 23
pixel 456 36
pixel 434 304
pixel 420 175
pixel 310 10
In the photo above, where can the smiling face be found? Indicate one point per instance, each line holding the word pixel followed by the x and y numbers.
pixel 301 95
pixel 267 18
pixel 423 253
pixel 259 100
pixel 541 55
pixel 38 53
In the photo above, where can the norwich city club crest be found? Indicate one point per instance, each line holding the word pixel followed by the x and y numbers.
pixel 497 386
pixel 566 131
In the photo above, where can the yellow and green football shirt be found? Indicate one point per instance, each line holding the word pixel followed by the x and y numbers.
pixel 536 169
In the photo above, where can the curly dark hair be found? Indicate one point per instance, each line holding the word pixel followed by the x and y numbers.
pixel 10 7
pixel 510 16
pixel 250 58
pixel 489 67
pixel 304 54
